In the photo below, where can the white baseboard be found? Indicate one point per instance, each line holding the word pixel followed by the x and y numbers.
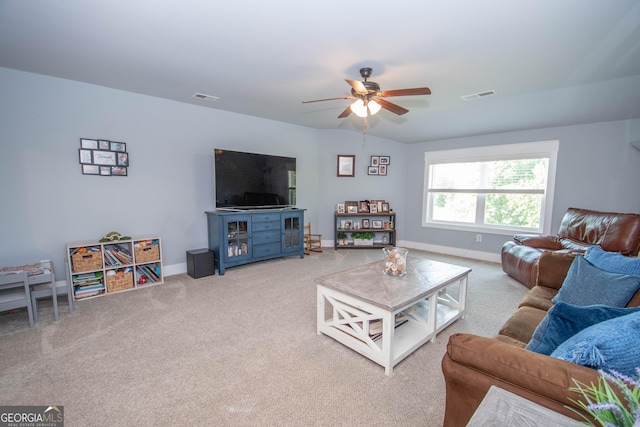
pixel 173 269
pixel 446 250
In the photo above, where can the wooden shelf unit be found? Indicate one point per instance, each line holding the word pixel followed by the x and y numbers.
pixel 380 233
pixel 98 268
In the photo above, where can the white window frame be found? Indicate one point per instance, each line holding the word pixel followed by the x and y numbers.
pixel 495 152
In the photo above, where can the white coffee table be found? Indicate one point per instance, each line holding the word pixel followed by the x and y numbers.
pixel 354 304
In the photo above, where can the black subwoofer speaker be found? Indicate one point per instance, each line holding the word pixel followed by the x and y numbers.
pixel 200 263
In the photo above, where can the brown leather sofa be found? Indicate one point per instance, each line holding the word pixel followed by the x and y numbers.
pixel 473 363
pixel 580 228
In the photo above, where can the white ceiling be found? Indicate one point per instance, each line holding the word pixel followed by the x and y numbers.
pixel 552 62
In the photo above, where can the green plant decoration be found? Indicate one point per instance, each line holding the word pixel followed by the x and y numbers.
pixel 364 235
pixel 605 406
pixel 342 236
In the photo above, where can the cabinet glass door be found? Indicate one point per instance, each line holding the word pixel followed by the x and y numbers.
pixel 291 232
pixel 237 239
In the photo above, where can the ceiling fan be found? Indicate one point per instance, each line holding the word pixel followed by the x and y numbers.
pixel 369 99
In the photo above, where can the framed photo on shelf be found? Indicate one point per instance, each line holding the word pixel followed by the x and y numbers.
pixel 385 207
pixel 365 223
pixel 387 225
pixel 356 225
pixel 340 208
pixel 346 164
pixel 385 160
pixel 346 224
pixel 351 206
pixel 376 223
pixel 373 208
pixel 372 170
pixel 363 206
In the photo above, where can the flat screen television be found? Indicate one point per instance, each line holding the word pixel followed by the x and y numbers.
pixel 253 181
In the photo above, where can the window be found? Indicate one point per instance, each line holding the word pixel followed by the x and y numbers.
pixel 499 189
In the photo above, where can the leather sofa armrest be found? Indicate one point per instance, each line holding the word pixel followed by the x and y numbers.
pixel 539 241
pixel 535 376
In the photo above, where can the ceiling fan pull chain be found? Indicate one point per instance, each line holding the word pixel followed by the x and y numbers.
pixel 364 131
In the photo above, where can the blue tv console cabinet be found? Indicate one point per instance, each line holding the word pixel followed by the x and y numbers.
pixel 239 237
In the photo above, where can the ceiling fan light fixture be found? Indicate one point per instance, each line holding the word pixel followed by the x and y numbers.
pixel 374 107
pixel 359 108
pixel 369 99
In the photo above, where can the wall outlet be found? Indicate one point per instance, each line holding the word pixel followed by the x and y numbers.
pixel 478 238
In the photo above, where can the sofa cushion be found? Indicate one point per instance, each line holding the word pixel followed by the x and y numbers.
pixel 614 232
pixel 538 241
pixel 611 345
pixel 574 245
pixel 588 285
pixel 565 320
pixel 539 297
pixel 522 324
pixel 553 268
pixel 613 262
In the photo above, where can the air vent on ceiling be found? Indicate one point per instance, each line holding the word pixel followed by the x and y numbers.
pixel 203 97
pixel 479 95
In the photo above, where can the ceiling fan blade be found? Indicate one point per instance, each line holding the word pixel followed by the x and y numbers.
pixel 345 113
pixel 392 107
pixel 327 99
pixel 407 92
pixel 357 86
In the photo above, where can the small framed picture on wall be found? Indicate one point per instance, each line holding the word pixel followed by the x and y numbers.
pixel 346 164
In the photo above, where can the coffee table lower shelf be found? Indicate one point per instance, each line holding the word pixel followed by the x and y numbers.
pixel 350 321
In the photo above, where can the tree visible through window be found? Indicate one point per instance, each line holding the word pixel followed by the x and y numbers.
pixel 503 187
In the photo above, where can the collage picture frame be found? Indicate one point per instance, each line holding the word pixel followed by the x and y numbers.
pixel 103 158
pixel 378 165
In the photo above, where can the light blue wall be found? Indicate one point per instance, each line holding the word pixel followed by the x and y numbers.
pixel 47 202
pixel 597 169
pixel 334 189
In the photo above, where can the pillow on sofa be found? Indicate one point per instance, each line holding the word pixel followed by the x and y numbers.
pixel 613 262
pixel 588 285
pixel 611 345
pixel 565 320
